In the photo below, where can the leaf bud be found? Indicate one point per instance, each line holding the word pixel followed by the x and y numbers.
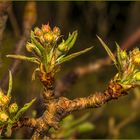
pixel 62 47
pixel 13 108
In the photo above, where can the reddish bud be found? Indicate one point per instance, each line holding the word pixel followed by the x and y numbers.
pixel 46 28
pixel 56 30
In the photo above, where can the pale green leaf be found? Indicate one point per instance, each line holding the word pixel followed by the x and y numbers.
pixel 119 60
pixel 111 55
pixel 71 56
pixel 34 73
pixel 10 84
pixel 23 110
pixel 41 48
pixel 72 40
pixel 71 37
pixel 21 57
pixel 38 45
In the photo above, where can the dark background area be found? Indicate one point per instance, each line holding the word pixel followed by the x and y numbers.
pixel 112 21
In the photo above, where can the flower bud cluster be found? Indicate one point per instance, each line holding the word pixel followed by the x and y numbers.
pixel 5 109
pixel 47 35
pixel 135 56
pixel 131 65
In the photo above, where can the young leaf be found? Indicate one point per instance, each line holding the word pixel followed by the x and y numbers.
pixel 38 45
pixel 21 57
pixel 65 46
pixel 72 41
pixel 42 50
pixel 23 110
pixel 71 37
pixel 119 60
pixel 107 49
pixel 34 73
pixel 71 56
pixel 10 84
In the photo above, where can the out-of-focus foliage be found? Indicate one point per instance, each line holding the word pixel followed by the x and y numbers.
pixel 70 126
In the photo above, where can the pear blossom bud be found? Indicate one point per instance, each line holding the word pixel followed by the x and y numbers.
pixel 137 76
pixel 37 31
pixel 3 117
pixel 30 47
pixel 5 100
pixel 48 37
pixel 136 60
pixel 56 30
pixel 13 108
pixel 46 28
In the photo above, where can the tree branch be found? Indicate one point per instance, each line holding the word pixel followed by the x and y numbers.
pixel 58 108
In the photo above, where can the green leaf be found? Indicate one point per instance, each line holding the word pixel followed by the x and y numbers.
pixel 23 110
pixel 71 56
pixel 69 118
pixel 85 127
pixel 67 121
pixel 65 46
pixel 68 133
pixel 71 37
pixel 10 84
pixel 21 57
pixel 78 121
pixel 38 45
pixel 59 58
pixel 111 55
pixel 119 60
pixel 73 126
pixel 71 40
pixel 42 50
pixel 34 73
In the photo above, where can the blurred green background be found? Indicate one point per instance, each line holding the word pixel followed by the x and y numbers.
pixel 112 21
